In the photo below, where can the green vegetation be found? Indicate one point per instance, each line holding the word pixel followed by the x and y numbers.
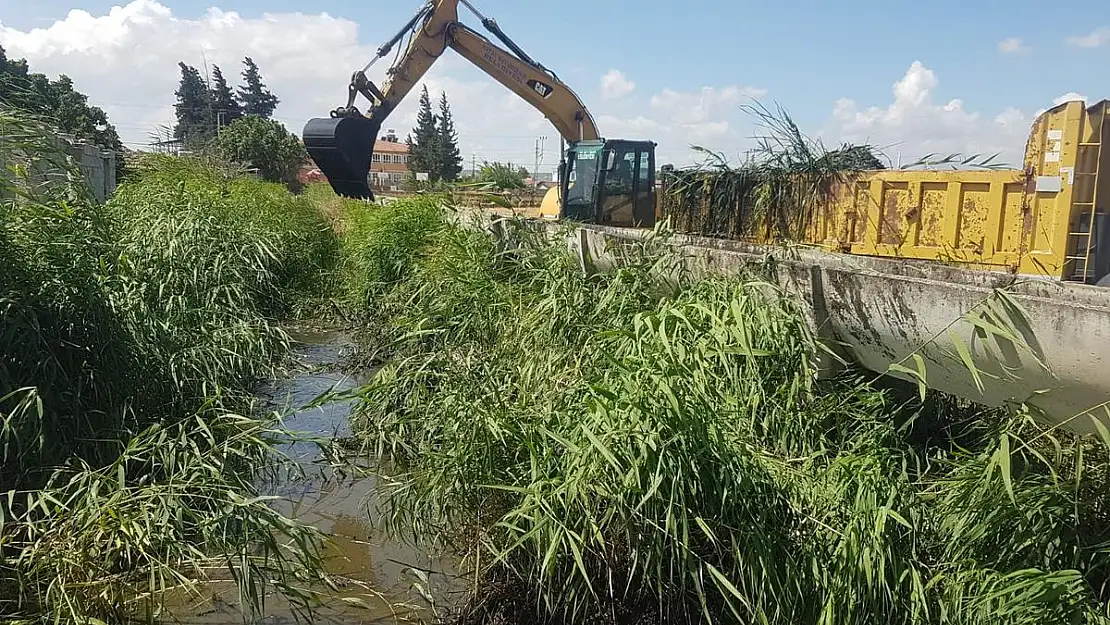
pixel 203 107
pixel 255 97
pixel 634 446
pixel 235 127
pixel 381 246
pixel 641 447
pixel 434 142
pixel 224 102
pixel 502 176
pixel 193 108
pixel 132 333
pixel 264 146
pixel 58 101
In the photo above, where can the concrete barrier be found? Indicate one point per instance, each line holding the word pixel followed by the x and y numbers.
pixel 1038 342
pixel 98 167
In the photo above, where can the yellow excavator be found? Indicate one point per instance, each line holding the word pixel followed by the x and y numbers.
pixel 608 181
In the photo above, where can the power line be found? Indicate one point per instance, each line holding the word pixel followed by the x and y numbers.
pixel 486 154
pixel 295 120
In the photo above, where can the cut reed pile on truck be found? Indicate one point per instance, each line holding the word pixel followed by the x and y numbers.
pixel 636 447
pixel 130 333
pixel 774 194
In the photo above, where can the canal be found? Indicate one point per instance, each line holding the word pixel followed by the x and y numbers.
pixel 380 580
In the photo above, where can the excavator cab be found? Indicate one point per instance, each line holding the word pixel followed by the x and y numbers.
pixel 609 182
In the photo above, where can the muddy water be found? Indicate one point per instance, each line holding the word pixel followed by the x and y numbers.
pixel 371 569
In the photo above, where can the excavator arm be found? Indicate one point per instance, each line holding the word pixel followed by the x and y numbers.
pixel 542 90
pixel 343 145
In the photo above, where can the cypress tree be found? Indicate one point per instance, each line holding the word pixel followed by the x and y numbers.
pixel 224 104
pixel 450 160
pixel 193 108
pixel 424 142
pixel 254 96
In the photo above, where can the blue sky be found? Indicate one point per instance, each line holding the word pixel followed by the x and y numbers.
pixel 805 54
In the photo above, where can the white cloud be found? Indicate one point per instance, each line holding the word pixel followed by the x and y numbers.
pixel 1069 96
pixel 1012 45
pixel 916 124
pixel 710 116
pixel 699 107
pixel 126 61
pixel 1094 39
pixel 615 85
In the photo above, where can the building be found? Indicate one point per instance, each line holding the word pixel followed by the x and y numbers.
pixel 390 164
pixel 388 167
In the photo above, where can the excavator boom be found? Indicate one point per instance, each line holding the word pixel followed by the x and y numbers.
pixel 342 146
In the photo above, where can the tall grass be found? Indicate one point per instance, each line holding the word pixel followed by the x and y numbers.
pixel 284 239
pixel 131 333
pixel 380 246
pixel 629 448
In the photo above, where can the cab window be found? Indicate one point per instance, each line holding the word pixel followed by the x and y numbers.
pixel 619 180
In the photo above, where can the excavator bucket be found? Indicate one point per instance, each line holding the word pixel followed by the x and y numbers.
pixel 342 147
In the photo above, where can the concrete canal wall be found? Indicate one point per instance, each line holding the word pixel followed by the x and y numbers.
pixel 882 311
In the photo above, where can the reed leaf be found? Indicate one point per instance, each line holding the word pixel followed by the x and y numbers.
pixel 636 446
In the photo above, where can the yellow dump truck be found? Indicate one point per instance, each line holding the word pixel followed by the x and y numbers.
pixel 1048 219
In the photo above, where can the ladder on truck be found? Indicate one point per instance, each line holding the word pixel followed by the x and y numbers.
pixel 1082 234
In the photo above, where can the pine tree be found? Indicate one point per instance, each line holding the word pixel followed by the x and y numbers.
pixel 424 141
pixel 254 96
pixel 224 104
pixel 193 108
pixel 449 158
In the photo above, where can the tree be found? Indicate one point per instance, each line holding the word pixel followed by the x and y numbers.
pixel 502 176
pixel 58 101
pixel 254 96
pixel 226 108
pixel 450 160
pixel 193 109
pixel 423 143
pixel 264 145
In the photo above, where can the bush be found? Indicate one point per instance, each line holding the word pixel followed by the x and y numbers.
pixel 502 176
pixel 291 246
pixel 265 146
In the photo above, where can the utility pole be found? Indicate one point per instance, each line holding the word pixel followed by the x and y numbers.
pixel 208 87
pixel 536 164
